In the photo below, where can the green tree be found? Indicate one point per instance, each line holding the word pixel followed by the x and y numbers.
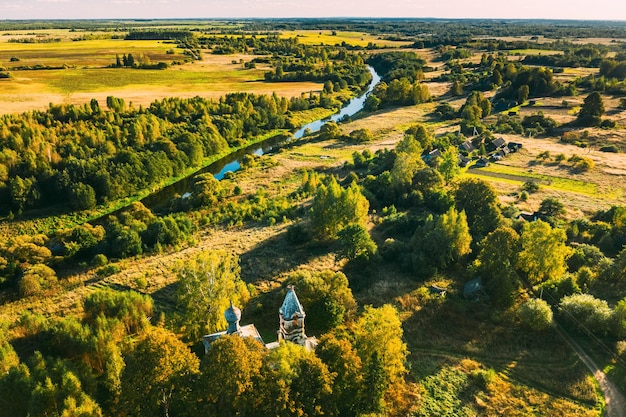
pixel 543 252
pixel 16 387
pixel 421 134
pixel 552 210
pixel 334 208
pixel 330 130
pixel 208 283
pixel 344 362
pixel 536 314
pixel 479 200
pixel 456 89
pixel 8 357
pixel 522 94
pixel 229 370
pixel 326 296
pixel 379 330
pixel 619 319
pixel 441 241
pixel 378 340
pixel 496 265
pixel 355 242
pixel 591 112
pixel 449 164
pixel 37 278
pixel 293 381
pixel 82 196
pixel 157 374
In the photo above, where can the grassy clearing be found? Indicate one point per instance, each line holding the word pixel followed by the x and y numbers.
pixel 534 52
pixel 517 174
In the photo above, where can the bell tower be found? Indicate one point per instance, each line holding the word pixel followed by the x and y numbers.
pixel 291 319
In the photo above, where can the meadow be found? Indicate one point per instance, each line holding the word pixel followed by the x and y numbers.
pixel 80 70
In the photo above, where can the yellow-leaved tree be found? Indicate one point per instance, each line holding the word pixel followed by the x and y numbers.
pixel 208 283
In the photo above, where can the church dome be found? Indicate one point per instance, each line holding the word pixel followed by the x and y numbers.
pixel 232 316
pixel 291 305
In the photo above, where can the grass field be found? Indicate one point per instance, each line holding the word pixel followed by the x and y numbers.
pixel 534 52
pixel 522 175
pixel 87 77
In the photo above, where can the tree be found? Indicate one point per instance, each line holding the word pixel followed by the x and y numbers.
pixel 342 359
pixel 536 314
pixel 378 340
pixel 441 241
pixel 330 130
pixel 355 242
pixel 421 134
pixel 496 265
pixel 37 278
pixel 8 357
pixel 379 330
pixel 456 89
pixel 543 252
pixel 157 373
pixel 293 382
pixel 449 164
pixel 208 283
pixel 82 196
pixel 334 208
pixel 551 210
pixel 619 319
pixel 327 297
pixel 522 94
pixel 592 110
pixel 228 371
pixel 129 308
pixel 479 200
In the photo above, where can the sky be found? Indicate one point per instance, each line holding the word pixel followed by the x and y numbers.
pixel 155 9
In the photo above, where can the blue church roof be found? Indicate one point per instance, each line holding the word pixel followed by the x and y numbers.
pixel 291 305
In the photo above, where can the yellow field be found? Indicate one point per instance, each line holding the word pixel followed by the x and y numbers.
pixel 314 37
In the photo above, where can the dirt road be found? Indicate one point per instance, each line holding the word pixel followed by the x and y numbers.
pixel 615 402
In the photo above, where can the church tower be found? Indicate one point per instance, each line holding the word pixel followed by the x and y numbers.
pixel 232 316
pixel 291 319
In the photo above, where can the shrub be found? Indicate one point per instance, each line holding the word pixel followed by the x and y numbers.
pixel 536 314
pixel 107 270
pixel 100 260
pixel 530 186
pixel 609 148
pixel 586 313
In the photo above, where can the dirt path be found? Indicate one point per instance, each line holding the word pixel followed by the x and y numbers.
pixel 615 402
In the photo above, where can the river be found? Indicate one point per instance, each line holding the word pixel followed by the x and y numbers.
pixel 230 163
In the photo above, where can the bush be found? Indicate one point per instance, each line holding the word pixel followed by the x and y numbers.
pixel 530 186
pixel 609 148
pixel 298 234
pixel 584 312
pixel 536 314
pixel 110 269
pixel 100 260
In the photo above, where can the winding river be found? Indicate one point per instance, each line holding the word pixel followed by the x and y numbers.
pixel 231 163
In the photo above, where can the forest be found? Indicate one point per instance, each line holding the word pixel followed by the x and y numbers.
pixel 458 245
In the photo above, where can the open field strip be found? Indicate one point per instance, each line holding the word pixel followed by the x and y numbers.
pixel 533 52
pixel 326 37
pixel 522 175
